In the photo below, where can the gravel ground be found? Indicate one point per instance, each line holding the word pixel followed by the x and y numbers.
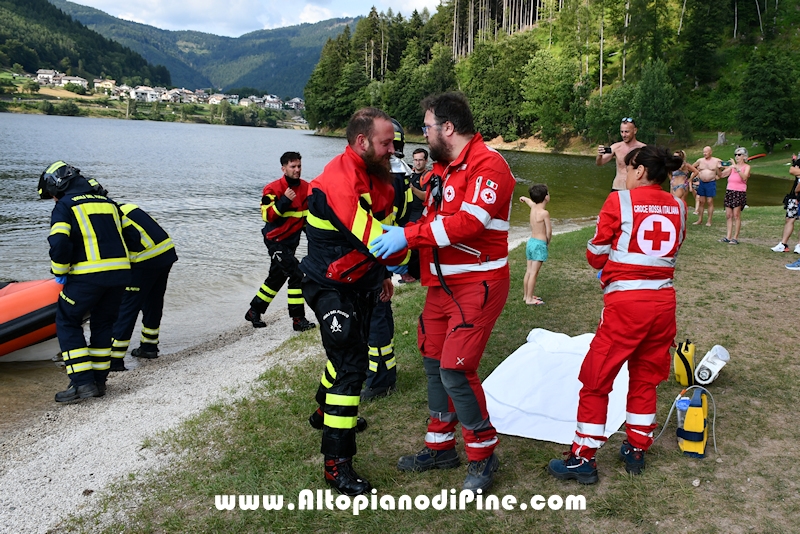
pixel 58 464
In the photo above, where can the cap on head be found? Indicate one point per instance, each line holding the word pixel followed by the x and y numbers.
pixel 55 179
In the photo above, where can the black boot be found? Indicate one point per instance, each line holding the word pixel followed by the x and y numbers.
pixel 339 473
pixel 301 324
pixel 77 393
pixel 144 351
pixel 117 364
pixel 101 388
pixel 254 317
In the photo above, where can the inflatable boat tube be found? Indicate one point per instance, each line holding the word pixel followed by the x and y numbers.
pixel 27 313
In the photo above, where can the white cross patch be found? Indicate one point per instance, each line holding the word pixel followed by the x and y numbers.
pixel 459 361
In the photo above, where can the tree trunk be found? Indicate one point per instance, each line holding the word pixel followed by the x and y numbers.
pixel 602 42
pixel 680 24
pixel 760 25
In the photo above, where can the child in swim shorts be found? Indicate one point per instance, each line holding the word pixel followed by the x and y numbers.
pixel 536 248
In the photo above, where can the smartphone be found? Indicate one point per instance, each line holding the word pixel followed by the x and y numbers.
pixel 607 149
pixel 725 163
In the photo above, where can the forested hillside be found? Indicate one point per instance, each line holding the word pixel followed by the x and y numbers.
pixel 565 68
pixel 276 61
pixel 35 34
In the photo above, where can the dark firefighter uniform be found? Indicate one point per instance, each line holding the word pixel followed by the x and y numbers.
pixel 87 246
pixel 149 273
pixel 382 373
pixel 284 220
pixel 346 209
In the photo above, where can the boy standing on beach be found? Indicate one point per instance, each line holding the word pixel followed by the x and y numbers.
pixel 541 232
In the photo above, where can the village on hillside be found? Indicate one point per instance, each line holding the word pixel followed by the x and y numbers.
pixel 143 93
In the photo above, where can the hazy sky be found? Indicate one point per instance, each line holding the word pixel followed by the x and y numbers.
pixel 236 17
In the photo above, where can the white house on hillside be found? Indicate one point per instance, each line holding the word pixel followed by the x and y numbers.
pixel 142 93
pixel 75 80
pixel 45 76
pixel 297 103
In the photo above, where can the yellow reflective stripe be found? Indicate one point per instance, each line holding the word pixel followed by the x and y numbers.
pixel 332 399
pixel 86 267
pixel 390 219
pixel 63 296
pixel 391 362
pixel 55 166
pixel 82 213
pixel 80 367
pixel 150 331
pixel 331 369
pixel 59 268
pixel 338 421
pixel 120 343
pixel 373 366
pixel 152 252
pixel 324 380
pixel 295 214
pixel 61 228
pixel 322 224
pixel 367 197
pixel 295 300
pixel 105 365
pixel 278 213
pixel 75 353
pixel 293 291
pixel 146 240
pixel 373 351
pixel 360 226
pixel 268 290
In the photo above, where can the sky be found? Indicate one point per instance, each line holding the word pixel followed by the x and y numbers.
pixel 233 18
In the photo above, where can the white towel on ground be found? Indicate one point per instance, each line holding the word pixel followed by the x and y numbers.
pixel 534 392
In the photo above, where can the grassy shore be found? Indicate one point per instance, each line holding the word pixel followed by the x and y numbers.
pixel 738 296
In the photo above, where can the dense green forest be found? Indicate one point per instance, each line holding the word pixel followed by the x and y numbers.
pixel 565 68
pixel 275 61
pixel 34 34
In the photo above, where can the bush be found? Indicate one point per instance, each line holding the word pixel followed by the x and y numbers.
pixel 69 108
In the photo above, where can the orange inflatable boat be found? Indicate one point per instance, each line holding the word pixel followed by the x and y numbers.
pixel 27 313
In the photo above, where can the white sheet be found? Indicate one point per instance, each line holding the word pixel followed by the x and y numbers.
pixel 534 392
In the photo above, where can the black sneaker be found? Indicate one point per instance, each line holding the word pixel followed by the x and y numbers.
pixel 139 352
pixel 574 468
pixel 316 420
pixel 254 317
pixel 117 365
pixel 339 473
pixel 374 393
pixel 300 324
pixel 633 458
pixel 427 459
pixel 480 474
pixel 77 393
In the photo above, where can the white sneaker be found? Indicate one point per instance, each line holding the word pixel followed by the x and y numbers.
pixel 780 247
pixel 797 248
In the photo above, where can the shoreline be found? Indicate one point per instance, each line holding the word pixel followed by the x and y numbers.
pixel 64 460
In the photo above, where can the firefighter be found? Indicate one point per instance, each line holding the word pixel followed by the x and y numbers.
pixel 349 201
pixel 149 274
pixel 463 242
pixel 639 232
pixel 284 206
pixel 382 372
pixel 89 240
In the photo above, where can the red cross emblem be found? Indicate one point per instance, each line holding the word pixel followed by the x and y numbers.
pixel 656 235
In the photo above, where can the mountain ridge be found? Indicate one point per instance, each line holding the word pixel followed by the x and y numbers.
pixel 277 61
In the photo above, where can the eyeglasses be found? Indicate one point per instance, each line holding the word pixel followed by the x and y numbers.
pixel 738 154
pixel 426 128
pixel 627 119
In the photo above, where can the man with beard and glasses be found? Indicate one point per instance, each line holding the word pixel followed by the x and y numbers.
pixel 463 242
pixel 349 202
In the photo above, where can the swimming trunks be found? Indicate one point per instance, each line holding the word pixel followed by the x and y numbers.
pixel 707 189
pixel 536 249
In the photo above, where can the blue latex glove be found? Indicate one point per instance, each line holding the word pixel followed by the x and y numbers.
pixel 398 269
pixel 61 279
pixel 394 240
pixel 599 274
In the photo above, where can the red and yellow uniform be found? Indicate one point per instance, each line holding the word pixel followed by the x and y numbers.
pixel 636 243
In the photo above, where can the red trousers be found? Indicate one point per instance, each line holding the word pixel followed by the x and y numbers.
pixel 452 335
pixel 639 329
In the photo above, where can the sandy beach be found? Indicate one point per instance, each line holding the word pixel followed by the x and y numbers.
pixel 60 462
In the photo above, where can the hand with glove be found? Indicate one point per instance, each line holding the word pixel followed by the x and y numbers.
pixel 394 240
pixel 398 269
pixel 61 279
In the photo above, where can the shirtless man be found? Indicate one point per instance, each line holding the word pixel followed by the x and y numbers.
pixel 627 130
pixel 709 168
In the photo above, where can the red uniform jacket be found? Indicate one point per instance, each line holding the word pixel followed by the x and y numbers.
pixel 468 228
pixel 285 218
pixel 636 243
pixel 345 211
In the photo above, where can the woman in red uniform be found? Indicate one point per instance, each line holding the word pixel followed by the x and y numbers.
pixel 639 232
